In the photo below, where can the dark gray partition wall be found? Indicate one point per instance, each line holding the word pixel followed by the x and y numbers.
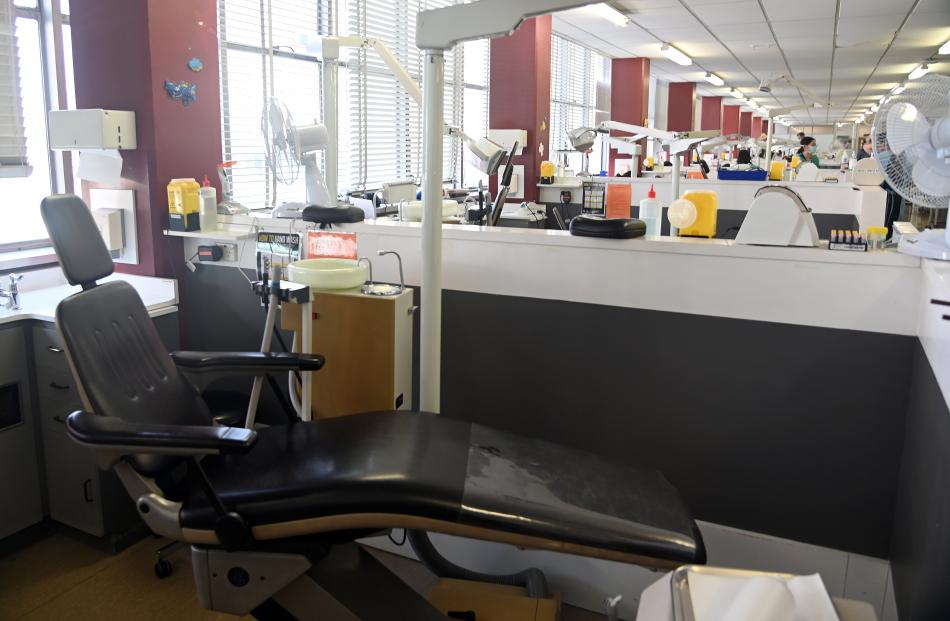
pixel 920 551
pixel 787 430
pixel 794 431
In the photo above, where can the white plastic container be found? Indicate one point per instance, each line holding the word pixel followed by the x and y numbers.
pixel 208 207
pixel 651 212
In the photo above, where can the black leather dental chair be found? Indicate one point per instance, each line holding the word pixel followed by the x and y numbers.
pixel 272 514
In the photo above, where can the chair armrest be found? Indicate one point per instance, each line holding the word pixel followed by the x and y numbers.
pixel 245 363
pixel 104 432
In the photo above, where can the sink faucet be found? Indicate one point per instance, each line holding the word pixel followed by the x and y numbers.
pixel 12 295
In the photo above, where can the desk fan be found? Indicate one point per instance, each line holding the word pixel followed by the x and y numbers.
pixel 286 148
pixel 912 144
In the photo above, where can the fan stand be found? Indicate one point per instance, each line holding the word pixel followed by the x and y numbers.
pixel 316 188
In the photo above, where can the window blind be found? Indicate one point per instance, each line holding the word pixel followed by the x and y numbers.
pixel 267 49
pixel 574 70
pixel 13 157
pixel 380 125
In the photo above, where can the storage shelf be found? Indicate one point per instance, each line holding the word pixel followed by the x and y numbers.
pixel 215 235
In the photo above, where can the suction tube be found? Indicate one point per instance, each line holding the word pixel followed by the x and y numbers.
pixel 532 579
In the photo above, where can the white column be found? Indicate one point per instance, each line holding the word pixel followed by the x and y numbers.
pixel 430 337
pixel 331 55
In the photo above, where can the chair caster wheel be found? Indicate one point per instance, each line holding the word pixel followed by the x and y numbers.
pixel 163 569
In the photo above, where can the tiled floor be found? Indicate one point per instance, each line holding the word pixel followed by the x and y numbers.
pixel 60 576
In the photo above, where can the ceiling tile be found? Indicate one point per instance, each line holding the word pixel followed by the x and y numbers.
pixel 744 12
pixel 862 8
pixel 784 10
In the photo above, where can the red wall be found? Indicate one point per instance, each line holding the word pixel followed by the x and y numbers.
pixel 520 94
pixel 730 119
pixel 681 106
pixel 629 95
pixel 710 115
pixel 122 52
pixel 756 126
pixel 745 123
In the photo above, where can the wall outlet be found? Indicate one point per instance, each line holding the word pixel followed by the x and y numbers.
pixel 229 252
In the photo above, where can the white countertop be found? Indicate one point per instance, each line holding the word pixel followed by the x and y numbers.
pixel 42 291
pixel 875 291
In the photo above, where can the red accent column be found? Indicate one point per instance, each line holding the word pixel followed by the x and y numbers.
pixel 520 94
pixel 730 119
pixel 122 54
pixel 756 126
pixel 710 116
pixel 681 106
pixel 745 123
pixel 629 96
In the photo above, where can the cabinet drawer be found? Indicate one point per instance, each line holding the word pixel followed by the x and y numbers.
pixel 58 397
pixel 48 352
pixel 72 482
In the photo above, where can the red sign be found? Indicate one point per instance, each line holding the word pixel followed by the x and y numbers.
pixel 331 245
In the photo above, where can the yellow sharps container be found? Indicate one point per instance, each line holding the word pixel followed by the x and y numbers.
pixel 707 206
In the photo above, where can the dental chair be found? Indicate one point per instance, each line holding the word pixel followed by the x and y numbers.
pixel 272 514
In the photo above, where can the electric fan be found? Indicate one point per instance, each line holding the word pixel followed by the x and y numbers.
pixel 911 134
pixel 286 148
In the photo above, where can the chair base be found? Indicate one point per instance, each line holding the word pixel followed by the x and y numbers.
pixel 344 584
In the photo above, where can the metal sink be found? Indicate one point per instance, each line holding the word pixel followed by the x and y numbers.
pixel 328 273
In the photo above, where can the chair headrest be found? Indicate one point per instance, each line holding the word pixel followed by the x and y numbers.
pixel 82 252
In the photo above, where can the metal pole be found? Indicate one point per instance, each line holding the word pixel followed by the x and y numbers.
pixel 675 194
pixel 331 55
pixel 768 144
pixel 430 337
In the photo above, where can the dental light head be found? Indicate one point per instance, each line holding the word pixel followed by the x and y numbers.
pixel 582 138
pixel 484 154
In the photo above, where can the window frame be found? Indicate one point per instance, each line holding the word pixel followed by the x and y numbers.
pixel 50 21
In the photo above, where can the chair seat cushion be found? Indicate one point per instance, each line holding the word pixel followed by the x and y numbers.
pixel 430 466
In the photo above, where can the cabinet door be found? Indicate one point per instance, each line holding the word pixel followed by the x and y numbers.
pixel 72 482
pixel 19 469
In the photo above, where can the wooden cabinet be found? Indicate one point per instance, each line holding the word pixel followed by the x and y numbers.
pixel 20 489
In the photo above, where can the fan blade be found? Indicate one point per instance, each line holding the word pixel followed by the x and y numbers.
pixel 931 175
pixel 905 127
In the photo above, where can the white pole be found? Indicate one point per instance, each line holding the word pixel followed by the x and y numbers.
pixel 430 337
pixel 331 55
pixel 675 194
pixel 768 144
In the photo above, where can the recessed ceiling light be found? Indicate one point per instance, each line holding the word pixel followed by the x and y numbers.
pixel 609 13
pixel 735 92
pixel 898 90
pixel 919 72
pixel 714 79
pixel 944 49
pixel 675 55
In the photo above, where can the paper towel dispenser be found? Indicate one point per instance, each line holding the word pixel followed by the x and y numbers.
pixel 91 129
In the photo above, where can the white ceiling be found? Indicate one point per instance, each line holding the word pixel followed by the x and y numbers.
pixel 857 57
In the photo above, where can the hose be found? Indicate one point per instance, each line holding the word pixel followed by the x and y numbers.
pixel 532 579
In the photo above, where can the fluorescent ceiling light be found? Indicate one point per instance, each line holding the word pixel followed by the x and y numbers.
pixel 736 93
pixel 919 72
pixel 874 107
pixel 945 48
pixel 675 55
pixel 609 13
pixel 898 90
pixel 763 110
pixel 714 79
pixel 881 100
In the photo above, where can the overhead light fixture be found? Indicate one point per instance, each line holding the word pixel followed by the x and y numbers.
pixel 714 79
pixel 944 49
pixel 919 72
pixel 675 55
pixel 898 90
pixel 735 92
pixel 874 107
pixel 881 100
pixel 763 110
pixel 612 15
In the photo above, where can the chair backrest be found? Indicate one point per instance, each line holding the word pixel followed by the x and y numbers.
pixel 115 352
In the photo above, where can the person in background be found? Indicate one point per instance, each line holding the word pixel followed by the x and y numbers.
pixel 809 150
pixel 800 136
pixel 866 149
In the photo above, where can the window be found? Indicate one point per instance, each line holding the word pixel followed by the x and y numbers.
pixel 380 125
pixel 35 32
pixel 575 71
